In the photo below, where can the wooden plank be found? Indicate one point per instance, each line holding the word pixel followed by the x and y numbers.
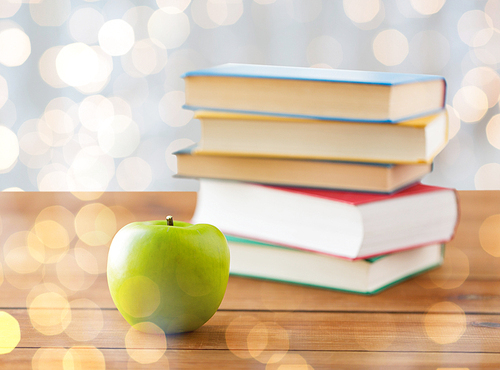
pixel 448 331
pixel 416 295
pixel 180 203
pixel 119 359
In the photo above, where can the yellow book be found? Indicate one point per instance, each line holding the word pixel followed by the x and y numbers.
pixel 414 141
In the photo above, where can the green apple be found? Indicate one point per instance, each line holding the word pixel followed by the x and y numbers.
pixel 171 274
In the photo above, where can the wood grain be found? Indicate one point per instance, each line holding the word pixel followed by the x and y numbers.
pixel 447 318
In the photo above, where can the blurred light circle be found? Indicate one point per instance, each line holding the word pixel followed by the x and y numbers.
pixel 10 148
pixel 390 47
pixel 145 343
pixel 34 150
pixel 52 235
pixel 50 313
pixel 287 360
pixel 492 9
pixel 10 333
pixel 61 215
pixel 324 49
pixel 168 30
pixel 86 260
pixel 138 296
pixel 15 47
pixel 493 131
pixel 264 336
pixel 171 111
pixel 145 58
pixel 94 111
pixel 488 177
pixel 121 106
pixel 361 11
pixel 471 103
pixel 95 224
pixel 474 28
pixel 64 104
pixel 84 25
pixel 445 322
pixel 453 121
pixel 103 75
pixel 488 80
pixel 70 275
pixel 60 124
pixel 119 136
pixel 173 6
pixel 489 53
pixel 50 12
pixel 21 261
pixel 138 18
pixel 173 147
pixel 77 64
pixel 453 272
pixel 237 335
pixel 48 358
pixel 94 256
pixel 489 235
pixel 116 37
pixel 4 91
pixel 427 7
pixel 9 8
pixel 134 174
pixel 429 51
pixel 8 114
pixel 199 14
pixel 53 177
pixel 225 12
pixel 47 67
pixel 303 11
pixel 91 170
pixel 82 357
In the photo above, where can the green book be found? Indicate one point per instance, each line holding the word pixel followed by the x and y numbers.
pixel 367 276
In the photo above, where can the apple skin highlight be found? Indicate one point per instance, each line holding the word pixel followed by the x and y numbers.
pixel 174 277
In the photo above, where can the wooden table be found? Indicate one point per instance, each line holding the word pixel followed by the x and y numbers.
pixel 53 285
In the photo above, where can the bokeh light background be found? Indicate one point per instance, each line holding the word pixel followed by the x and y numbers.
pixel 91 94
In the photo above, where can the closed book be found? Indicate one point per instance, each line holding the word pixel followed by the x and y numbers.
pixel 315 92
pixel 414 141
pixel 347 224
pixel 326 174
pixel 254 259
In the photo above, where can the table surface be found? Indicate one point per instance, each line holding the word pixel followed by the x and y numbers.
pixel 53 285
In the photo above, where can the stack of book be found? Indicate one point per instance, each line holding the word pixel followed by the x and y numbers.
pixel 314 174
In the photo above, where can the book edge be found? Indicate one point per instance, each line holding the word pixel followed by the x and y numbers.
pixel 323 118
pixel 257 71
pixel 362 292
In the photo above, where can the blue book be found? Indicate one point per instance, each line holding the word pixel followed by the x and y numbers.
pixel 349 95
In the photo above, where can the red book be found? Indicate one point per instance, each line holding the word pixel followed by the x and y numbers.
pixel 352 225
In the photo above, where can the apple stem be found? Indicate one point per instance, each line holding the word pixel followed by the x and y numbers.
pixel 170 221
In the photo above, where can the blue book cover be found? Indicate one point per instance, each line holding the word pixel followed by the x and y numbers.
pixel 312 74
pixel 348 95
